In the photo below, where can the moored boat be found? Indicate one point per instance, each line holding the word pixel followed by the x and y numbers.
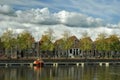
pixel 38 62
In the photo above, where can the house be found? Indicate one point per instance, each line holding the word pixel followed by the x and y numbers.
pixel 72 49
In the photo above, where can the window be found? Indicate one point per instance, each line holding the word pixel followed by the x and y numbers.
pixel 70 50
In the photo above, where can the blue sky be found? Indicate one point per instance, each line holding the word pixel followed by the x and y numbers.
pixel 75 15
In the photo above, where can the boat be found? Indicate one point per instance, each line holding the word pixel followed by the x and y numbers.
pixel 38 63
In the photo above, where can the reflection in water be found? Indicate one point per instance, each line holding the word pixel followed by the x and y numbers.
pixel 61 73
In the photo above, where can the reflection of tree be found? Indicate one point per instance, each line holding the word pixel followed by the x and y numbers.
pixel 62 73
pixel 115 73
pixel 55 72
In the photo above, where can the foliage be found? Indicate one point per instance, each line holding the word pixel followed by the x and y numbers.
pixel 8 39
pixel 100 42
pixel 66 34
pixel 25 40
pixel 59 44
pixel 86 44
pixel 113 42
pixel 49 34
pixel 66 42
pixel 46 40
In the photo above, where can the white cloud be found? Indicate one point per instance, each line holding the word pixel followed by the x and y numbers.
pixel 106 9
pixel 45 17
pixel 37 16
pixel 39 20
pixel 77 19
pixel 5 9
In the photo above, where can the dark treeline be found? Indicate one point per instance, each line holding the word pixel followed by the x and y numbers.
pixel 24 45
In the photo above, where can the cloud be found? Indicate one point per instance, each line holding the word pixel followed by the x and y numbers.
pixel 99 8
pixel 26 4
pixel 39 20
pixel 5 9
pixel 45 17
pixel 37 16
pixel 78 20
pixel 107 10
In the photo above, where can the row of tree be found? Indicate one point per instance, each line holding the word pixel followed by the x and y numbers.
pixel 11 42
pixel 23 41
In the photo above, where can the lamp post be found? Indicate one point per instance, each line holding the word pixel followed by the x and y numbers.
pixel 38 55
pixel 38 47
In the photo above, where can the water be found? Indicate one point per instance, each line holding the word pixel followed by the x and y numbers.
pixel 61 73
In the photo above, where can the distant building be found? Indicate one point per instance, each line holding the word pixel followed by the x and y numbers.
pixel 73 51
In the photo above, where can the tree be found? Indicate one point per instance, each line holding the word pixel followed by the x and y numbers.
pixel 8 40
pixel 1 46
pixel 46 44
pixel 101 42
pixel 101 45
pixel 85 35
pixel 46 40
pixel 86 44
pixel 66 44
pixel 114 43
pixel 25 40
pixel 49 34
pixel 66 34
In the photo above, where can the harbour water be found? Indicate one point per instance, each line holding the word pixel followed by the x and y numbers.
pixel 89 72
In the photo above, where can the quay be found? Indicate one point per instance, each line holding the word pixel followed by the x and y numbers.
pixel 57 62
pixel 82 62
pixel 16 62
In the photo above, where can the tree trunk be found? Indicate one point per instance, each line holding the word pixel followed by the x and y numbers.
pixel 11 53
pixel 6 52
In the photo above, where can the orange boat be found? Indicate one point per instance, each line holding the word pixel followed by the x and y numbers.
pixel 38 62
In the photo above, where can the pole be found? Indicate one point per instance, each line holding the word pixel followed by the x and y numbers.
pixel 38 50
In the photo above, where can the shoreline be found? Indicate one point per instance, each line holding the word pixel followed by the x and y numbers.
pixel 56 62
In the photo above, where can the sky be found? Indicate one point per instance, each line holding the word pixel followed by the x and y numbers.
pixel 75 16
